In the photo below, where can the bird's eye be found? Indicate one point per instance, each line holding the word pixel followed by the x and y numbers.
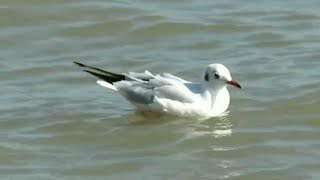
pixel 216 76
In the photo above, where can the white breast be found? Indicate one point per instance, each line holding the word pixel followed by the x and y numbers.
pixel 221 102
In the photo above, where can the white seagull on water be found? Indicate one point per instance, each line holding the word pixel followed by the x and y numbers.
pixel 170 94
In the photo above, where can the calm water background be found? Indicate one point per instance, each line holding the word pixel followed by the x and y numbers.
pixel 57 123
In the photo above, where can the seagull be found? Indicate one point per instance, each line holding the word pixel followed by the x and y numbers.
pixel 169 94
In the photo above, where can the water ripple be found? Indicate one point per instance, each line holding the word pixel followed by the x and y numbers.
pixel 56 123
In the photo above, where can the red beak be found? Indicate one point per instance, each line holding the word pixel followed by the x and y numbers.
pixel 234 83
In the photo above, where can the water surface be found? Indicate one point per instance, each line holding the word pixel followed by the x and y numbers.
pixel 57 123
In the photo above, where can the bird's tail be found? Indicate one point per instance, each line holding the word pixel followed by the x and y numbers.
pixel 102 74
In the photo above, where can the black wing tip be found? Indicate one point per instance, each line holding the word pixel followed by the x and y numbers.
pixel 79 64
pixel 102 74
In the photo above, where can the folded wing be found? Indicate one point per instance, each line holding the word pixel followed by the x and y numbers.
pixel 159 86
pixel 142 88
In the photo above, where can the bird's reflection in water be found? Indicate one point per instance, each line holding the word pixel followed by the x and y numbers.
pixel 222 127
pixel 216 127
pixel 148 117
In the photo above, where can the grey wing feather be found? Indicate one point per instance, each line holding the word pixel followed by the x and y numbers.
pixel 146 75
pixel 136 92
pixel 144 93
pixel 170 76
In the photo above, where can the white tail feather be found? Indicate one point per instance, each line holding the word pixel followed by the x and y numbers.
pixel 107 85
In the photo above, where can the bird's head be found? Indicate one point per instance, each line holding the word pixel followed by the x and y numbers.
pixel 217 75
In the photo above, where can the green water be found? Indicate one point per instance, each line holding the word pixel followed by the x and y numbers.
pixel 57 123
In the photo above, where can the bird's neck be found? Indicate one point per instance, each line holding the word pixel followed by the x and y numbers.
pixel 217 98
